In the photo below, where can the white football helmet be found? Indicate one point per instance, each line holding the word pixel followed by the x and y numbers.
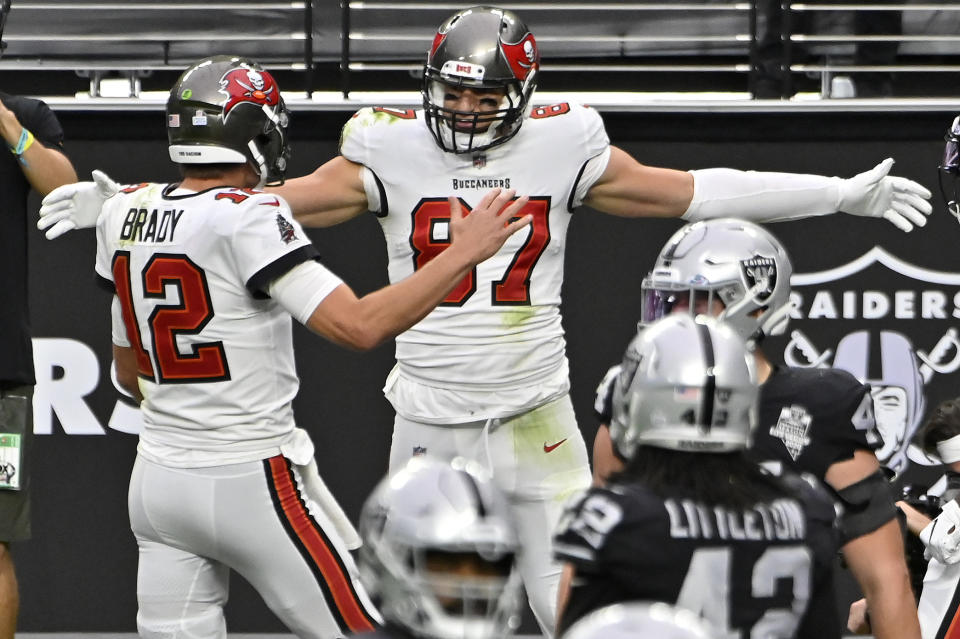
pixel 686 384
pixel 639 619
pixel 438 554
pixel 725 259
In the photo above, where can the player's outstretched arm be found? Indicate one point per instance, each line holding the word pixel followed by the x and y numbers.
pixel 368 321
pixel 75 206
pixel 333 193
pixel 628 188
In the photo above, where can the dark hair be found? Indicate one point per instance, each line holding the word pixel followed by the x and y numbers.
pixel 715 479
pixel 943 424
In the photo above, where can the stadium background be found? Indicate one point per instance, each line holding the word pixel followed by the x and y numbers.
pixel 78 573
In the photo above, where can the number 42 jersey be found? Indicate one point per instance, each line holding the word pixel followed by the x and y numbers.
pixel 761 570
pixel 499 329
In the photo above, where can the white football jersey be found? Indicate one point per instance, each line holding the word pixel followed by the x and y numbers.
pixel 500 329
pixel 214 352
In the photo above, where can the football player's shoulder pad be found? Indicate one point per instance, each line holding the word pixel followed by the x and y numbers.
pixel 825 386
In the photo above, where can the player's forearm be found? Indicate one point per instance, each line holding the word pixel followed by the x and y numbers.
pixel 385 313
pixel 916 520
pixel 333 193
pixel 46 169
pixel 877 561
pixel 605 462
pixel 893 612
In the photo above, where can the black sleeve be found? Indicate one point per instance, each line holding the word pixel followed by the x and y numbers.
pixel 603 402
pixel 43 123
pixel 867 505
pixel 260 281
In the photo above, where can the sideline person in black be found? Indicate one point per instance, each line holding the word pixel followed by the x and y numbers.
pixel 34 138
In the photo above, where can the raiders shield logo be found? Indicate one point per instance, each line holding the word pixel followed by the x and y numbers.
pixel 891 324
pixel 760 276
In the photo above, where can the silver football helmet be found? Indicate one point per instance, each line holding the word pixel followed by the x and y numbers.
pixel 438 554
pixel 686 384
pixel 639 619
pixel 728 260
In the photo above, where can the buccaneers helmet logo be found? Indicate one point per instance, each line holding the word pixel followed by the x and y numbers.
pixel 248 85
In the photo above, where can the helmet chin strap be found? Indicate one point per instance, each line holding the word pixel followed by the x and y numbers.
pixel 749 297
pixel 261 164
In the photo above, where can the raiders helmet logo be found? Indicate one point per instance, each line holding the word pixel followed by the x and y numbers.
pixel 759 276
pixel 248 85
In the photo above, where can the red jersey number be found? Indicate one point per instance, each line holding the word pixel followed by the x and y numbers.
pixel 186 314
pixel 427 241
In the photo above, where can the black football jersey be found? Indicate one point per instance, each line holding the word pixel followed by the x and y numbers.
pixel 765 570
pixel 603 402
pixel 811 418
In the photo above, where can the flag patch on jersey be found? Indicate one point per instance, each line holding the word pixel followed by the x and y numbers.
pixel 287 232
pixel 792 429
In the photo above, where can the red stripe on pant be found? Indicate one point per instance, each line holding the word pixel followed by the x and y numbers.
pixel 323 555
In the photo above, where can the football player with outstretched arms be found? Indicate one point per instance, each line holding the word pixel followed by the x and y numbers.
pixel 206 274
pixel 485 375
pixel 692 521
pixel 819 421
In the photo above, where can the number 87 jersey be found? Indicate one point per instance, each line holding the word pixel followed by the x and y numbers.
pixel 502 322
pixel 761 570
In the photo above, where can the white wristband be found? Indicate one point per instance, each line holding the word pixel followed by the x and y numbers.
pixel 761 196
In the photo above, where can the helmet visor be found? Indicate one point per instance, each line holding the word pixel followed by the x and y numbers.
pixel 661 299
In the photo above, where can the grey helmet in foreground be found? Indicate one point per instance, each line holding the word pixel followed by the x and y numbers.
pixel 640 620
pixel 727 259
pixel 687 384
pixel 228 110
pixel 439 552
pixel 481 48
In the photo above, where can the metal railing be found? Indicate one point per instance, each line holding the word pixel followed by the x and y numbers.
pixel 682 46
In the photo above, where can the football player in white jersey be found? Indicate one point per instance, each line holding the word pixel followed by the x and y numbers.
pixel 206 274
pixel 485 374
